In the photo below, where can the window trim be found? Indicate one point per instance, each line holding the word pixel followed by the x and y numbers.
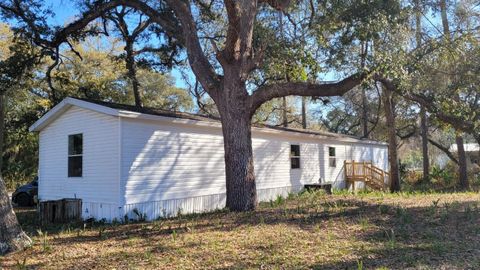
pixel 69 175
pixel 296 157
pixel 332 157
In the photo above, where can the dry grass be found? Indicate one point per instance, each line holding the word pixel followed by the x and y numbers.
pixel 310 231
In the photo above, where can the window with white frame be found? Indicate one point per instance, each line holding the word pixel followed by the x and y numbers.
pixel 75 155
pixel 295 156
pixel 332 158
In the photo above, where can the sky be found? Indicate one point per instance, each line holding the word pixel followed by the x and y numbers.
pixel 65 11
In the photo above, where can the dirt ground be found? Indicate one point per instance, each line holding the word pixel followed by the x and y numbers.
pixel 308 231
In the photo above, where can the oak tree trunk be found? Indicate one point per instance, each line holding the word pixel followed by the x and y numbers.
pixel 12 237
pixel 392 140
pixel 462 164
pixel 237 138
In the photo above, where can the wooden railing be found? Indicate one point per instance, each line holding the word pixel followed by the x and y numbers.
pixel 366 172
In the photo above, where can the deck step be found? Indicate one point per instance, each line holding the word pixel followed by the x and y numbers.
pixel 366 172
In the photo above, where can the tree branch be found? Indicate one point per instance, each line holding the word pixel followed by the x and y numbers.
pixel 277 4
pixel 268 92
pixel 443 149
pixel 178 24
pixel 457 122
pixel 198 61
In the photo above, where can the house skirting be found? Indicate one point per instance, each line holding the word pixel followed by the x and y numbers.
pixel 200 204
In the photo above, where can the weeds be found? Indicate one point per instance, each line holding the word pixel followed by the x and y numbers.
pixel 403 215
pixel 310 231
pixel 364 224
pixel 391 239
pixel 44 240
pixel 360 265
pixel 383 209
pixel 139 216
pixel 174 235
pixel 21 265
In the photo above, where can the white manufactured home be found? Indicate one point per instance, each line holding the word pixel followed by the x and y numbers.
pixel 117 158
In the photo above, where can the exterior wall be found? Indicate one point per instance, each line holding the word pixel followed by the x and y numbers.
pixel 161 168
pixel 377 154
pixel 335 175
pixel 168 167
pixel 98 188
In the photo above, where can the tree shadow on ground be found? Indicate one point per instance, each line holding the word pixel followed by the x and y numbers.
pixel 385 232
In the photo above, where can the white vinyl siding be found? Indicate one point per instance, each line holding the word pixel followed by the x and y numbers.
pixel 99 181
pixel 162 161
pixel 160 165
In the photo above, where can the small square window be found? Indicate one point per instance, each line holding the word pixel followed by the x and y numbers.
pixel 331 151
pixel 295 156
pixel 332 159
pixel 75 155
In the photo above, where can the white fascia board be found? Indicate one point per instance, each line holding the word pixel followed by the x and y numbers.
pixel 271 131
pixel 68 102
pixel 63 106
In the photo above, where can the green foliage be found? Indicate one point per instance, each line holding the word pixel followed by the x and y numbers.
pixel 98 74
pixel 442 177
pixel 46 247
pixel 158 91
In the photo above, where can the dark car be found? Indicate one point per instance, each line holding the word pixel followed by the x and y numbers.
pixel 24 195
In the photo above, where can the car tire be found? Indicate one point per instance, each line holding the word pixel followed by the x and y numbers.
pixel 23 199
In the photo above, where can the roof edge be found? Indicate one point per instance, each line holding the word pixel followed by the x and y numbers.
pixel 68 102
pixel 64 105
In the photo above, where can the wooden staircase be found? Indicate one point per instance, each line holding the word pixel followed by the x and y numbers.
pixel 366 172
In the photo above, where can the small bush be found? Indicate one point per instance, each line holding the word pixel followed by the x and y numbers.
pixel 140 217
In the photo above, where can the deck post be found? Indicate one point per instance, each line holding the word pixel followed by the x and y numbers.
pixel 353 168
pixel 383 178
pixel 364 169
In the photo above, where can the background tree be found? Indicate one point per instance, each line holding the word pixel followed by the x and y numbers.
pixel 13 66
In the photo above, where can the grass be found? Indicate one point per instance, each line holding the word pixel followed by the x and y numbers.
pixel 308 231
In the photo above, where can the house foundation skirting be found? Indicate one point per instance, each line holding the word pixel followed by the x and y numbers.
pixel 199 204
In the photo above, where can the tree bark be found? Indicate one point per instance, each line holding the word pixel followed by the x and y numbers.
pixel 284 112
pixel 423 112
pixel 132 73
pixel 237 136
pixel 462 164
pixel 424 133
pixel 12 237
pixel 462 159
pixel 392 140
pixel 304 112
pixel 443 12
pixel 364 113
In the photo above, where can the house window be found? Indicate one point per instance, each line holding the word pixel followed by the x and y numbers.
pixel 295 156
pixel 332 160
pixel 75 155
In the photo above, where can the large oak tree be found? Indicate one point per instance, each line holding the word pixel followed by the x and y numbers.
pixel 223 78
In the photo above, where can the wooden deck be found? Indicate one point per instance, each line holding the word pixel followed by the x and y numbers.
pixel 367 173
